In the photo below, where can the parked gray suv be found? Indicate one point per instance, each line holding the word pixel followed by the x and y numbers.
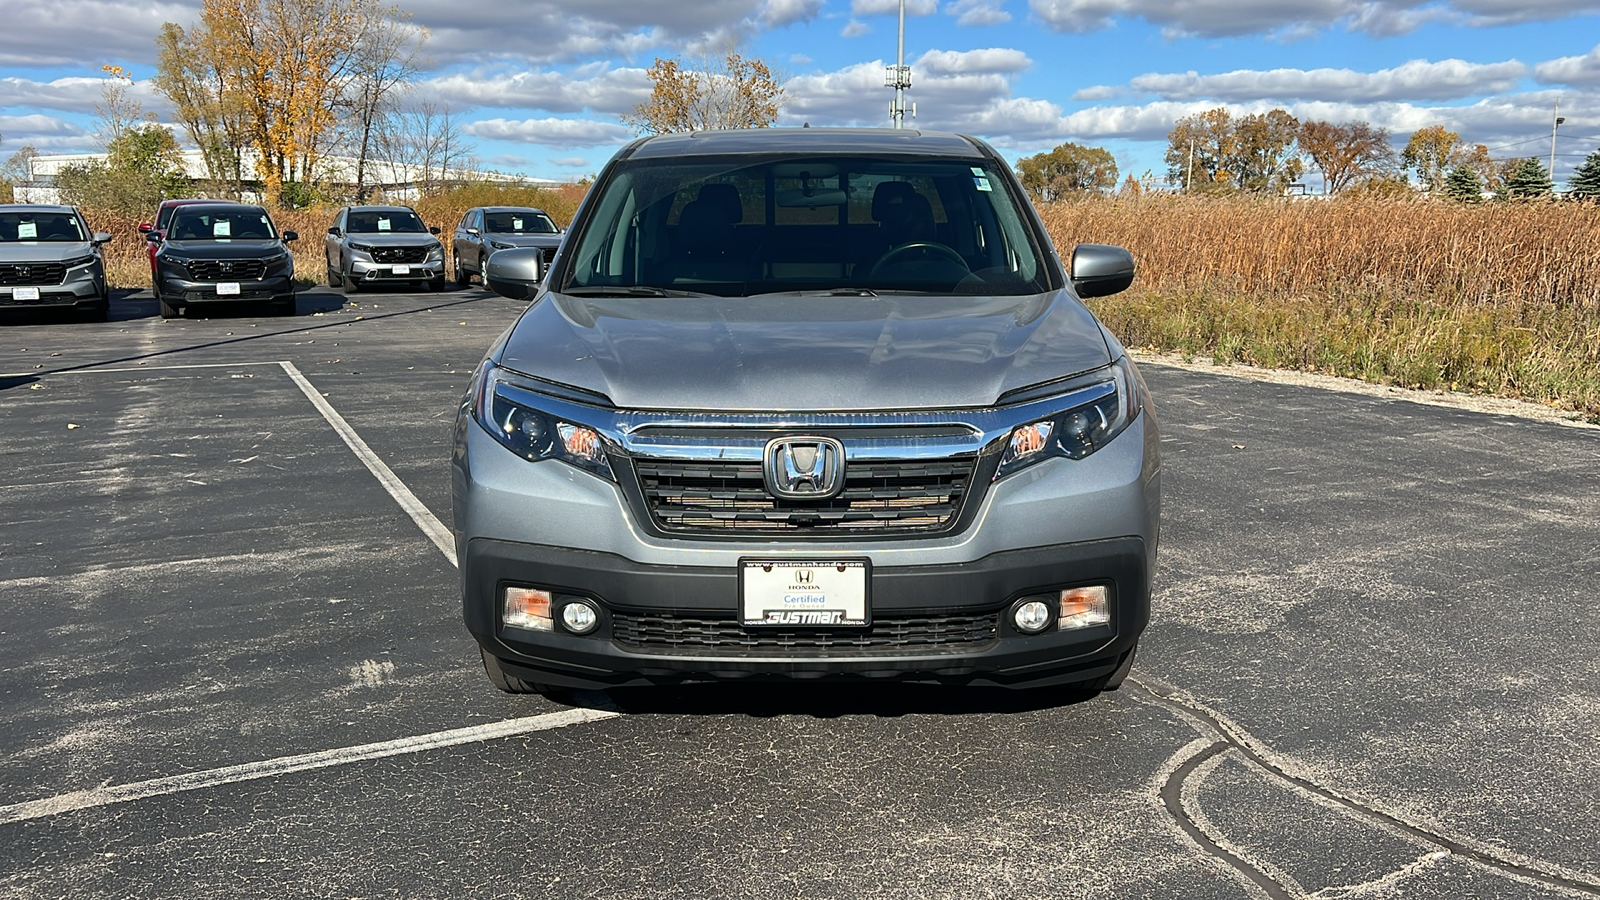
pixel 486 229
pixel 807 403
pixel 49 258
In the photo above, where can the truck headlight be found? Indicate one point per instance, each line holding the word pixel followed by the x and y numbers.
pixel 509 411
pixel 1081 430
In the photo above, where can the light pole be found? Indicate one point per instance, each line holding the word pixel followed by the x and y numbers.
pixel 899 76
pixel 1554 124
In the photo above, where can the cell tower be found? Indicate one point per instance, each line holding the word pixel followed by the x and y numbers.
pixel 898 76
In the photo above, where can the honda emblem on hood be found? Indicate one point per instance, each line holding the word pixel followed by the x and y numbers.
pixel 803 468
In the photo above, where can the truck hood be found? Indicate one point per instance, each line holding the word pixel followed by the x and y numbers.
pixel 805 353
pixel 542 241
pixel 233 248
pixel 42 251
pixel 391 239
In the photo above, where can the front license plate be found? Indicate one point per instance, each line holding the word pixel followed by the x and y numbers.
pixel 402 270
pixel 227 289
pixel 804 593
pixel 24 293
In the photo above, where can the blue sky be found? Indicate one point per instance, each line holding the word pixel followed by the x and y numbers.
pixel 538 84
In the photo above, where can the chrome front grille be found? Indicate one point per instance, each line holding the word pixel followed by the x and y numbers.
pixel 879 497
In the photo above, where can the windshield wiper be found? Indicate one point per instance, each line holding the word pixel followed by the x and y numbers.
pixel 822 292
pixel 625 290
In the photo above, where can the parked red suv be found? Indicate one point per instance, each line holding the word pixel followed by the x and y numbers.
pixel 154 232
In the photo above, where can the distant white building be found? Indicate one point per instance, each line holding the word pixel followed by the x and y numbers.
pixel 395 180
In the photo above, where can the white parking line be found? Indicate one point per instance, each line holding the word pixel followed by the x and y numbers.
pixel 285 765
pixel 424 517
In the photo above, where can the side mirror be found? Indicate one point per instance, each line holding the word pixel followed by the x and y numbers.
pixel 514 273
pixel 472 231
pixel 433 229
pixel 1099 270
pixel 153 236
pixel 101 237
pixel 333 230
pixel 290 236
pixel 146 226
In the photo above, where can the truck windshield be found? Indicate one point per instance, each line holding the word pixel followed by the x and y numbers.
pixel 746 225
pixel 397 221
pixel 40 226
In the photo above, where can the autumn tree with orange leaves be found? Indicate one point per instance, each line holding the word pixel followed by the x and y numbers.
pixel 268 76
pixel 711 93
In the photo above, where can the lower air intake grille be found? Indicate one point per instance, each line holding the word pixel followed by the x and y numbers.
pixel 703 634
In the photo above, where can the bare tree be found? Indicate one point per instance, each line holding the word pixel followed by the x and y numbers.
pixel 423 143
pixel 387 59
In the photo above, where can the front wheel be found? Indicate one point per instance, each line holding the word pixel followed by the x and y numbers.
pixel 511 684
pixel 168 311
pixel 463 277
pixel 333 277
pixel 436 283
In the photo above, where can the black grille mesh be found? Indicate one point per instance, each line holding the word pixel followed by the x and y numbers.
pixel 227 269
pixel 688 635
pixel 878 497
pixel 35 273
pixel 399 254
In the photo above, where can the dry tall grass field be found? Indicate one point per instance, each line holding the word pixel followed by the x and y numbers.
pixel 1495 298
pixel 1501 299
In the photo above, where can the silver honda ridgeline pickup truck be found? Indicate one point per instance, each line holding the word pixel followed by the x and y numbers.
pixel 807 404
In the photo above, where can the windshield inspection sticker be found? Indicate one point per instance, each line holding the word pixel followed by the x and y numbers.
pixel 385 225
pixel 27 231
pixel 982 183
pixel 222 228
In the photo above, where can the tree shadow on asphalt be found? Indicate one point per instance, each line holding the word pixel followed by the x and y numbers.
pixel 828 700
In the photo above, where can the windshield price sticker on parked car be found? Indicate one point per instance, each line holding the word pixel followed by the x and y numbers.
pixel 227 289
pixel 402 270
pixel 803 593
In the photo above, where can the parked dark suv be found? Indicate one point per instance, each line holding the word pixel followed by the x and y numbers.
pixel 807 403
pixel 223 254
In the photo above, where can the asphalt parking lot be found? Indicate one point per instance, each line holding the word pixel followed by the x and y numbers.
pixel 232 662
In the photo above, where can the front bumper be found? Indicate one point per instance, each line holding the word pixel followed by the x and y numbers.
pixel 937 623
pixel 183 292
pixel 368 272
pixel 84 286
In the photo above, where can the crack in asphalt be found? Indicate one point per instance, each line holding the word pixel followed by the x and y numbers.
pixel 1226 736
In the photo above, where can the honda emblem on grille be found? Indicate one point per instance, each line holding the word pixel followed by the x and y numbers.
pixel 803 468
pixel 24 272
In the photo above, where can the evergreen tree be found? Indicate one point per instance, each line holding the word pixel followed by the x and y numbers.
pixel 1464 185
pixel 1527 181
pixel 1585 181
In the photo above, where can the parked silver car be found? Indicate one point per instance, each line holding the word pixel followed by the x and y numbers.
pixel 803 404
pixel 485 229
pixel 371 245
pixel 49 258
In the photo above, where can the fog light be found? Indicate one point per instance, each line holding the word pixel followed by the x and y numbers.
pixel 1031 616
pixel 579 617
pixel 527 608
pixel 1085 606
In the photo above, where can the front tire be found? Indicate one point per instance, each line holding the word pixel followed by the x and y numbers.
pixel 436 283
pixel 168 311
pixel 333 277
pixel 511 684
pixel 463 277
pixel 351 285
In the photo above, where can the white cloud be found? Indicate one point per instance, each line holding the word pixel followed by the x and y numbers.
pixel 1098 92
pixel 778 13
pixel 1297 18
pixel 1573 70
pixel 854 28
pixel 571 162
pixel 84 33
pixel 562 134
pixel 954 62
pixel 593 88
pixel 977 12
pixel 892 7
pixel 1416 80
pixel 45 133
